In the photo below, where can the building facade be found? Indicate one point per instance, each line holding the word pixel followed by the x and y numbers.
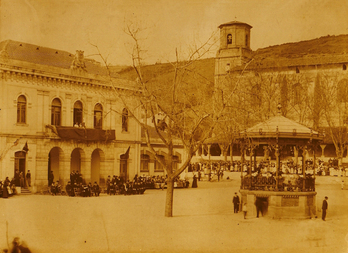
pixel 59 113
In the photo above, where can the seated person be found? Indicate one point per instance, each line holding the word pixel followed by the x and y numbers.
pixel 53 189
pixel 69 189
pixel 96 189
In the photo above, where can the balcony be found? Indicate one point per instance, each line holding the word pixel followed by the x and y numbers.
pixel 82 134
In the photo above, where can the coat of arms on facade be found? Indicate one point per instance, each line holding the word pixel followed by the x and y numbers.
pixel 79 62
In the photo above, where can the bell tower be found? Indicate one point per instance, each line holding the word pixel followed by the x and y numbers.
pixel 234 48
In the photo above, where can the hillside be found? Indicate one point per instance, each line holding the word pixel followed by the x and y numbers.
pixel 323 50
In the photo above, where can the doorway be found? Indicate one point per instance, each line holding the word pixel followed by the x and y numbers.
pixel 20 158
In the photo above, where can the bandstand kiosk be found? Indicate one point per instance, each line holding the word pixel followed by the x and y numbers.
pixel 283 193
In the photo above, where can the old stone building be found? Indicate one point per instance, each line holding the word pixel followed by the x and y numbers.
pixel 302 77
pixel 59 113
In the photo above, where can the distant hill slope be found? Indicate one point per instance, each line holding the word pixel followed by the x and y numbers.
pixel 323 45
pixel 323 50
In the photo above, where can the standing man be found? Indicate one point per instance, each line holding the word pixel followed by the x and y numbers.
pixel 258 204
pixel 324 208
pixel 235 202
pixel 28 177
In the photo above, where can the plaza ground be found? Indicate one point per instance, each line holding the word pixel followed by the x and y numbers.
pixel 203 222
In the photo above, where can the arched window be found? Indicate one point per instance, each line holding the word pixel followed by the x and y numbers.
pixel 78 109
pixel 144 163
pixel 229 39
pixel 21 109
pixel 342 91
pixel 158 165
pixel 125 120
pixel 344 67
pixel 98 116
pixel 56 110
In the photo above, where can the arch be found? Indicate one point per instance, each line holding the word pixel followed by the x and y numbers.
pixel 56 110
pixel 77 155
pixel 78 112
pixel 55 164
pixel 215 150
pixel 21 109
pixel 125 120
pixel 342 91
pixel 97 161
pixel 98 116
pixel 229 39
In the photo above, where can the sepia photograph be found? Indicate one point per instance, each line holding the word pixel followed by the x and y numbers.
pixel 173 126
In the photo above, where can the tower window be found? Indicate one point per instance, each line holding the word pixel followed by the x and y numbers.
pixel 229 39
pixel 246 40
pixel 297 70
pixel 344 67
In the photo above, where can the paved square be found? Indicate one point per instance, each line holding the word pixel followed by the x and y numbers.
pixel 203 222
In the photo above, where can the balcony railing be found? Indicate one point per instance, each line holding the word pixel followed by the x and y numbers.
pixel 82 134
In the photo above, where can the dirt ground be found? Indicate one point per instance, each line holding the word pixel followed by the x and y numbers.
pixel 203 222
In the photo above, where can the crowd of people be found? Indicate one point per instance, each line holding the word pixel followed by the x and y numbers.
pixel 7 188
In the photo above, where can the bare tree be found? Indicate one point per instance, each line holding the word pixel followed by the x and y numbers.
pixel 335 111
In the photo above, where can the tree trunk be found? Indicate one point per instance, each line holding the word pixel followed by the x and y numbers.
pixel 169 197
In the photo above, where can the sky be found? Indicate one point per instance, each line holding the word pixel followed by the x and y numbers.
pixel 165 25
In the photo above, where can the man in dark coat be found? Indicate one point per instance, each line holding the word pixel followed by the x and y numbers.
pixel 258 204
pixel 236 202
pixel 324 208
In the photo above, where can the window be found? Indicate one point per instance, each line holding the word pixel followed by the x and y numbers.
pixel 144 163
pixel 78 113
pixel 125 120
pixel 246 40
pixel 98 116
pixel 21 109
pixel 175 162
pixel 342 91
pixel 344 67
pixel 56 112
pixel 158 166
pixel 229 39
pixel 297 70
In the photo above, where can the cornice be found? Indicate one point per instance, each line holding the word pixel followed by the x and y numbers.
pixel 56 80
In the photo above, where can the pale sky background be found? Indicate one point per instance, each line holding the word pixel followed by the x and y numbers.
pixel 73 24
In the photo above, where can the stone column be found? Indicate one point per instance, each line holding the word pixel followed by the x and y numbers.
pixel 86 169
pixel 64 169
pixel 322 150
pixel 209 146
pixel 67 119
